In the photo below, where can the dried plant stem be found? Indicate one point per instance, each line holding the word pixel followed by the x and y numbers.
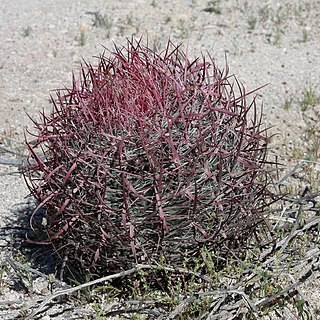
pixel 9 150
pixel 11 162
pixel 22 162
pixel 216 294
pixel 18 266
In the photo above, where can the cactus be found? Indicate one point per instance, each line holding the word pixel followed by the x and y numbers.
pixel 147 157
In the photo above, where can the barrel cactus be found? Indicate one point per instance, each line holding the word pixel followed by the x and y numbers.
pixel 147 157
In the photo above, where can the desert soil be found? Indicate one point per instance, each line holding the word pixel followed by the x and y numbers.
pixel 42 41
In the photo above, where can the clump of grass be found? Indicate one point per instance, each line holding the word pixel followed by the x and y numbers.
pixel 288 104
pixel 305 36
pixel 310 98
pixel 264 13
pixel 167 19
pixel 184 29
pixel 82 38
pixel 101 21
pixel 157 42
pixel 252 22
pixel 277 35
pixel 26 31
pixel 312 137
pixel 8 144
pixel 277 20
pixel 129 20
pixel 294 150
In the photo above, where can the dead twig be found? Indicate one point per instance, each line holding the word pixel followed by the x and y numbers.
pixel 16 265
pixel 216 294
pixel 11 162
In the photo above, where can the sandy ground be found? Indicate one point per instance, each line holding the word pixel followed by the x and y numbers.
pixel 266 42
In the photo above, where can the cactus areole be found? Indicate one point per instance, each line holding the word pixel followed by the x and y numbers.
pixel 148 156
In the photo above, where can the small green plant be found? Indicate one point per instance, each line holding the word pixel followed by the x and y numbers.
pixel 310 98
pixel 184 28
pixel 157 43
pixel 167 19
pixel 313 149
pixel 193 19
pixel 129 19
pixel 294 150
pixel 139 317
pixel 214 6
pixel 82 38
pixel 287 103
pixel 101 21
pixel 280 17
pixel 26 31
pixel 302 312
pixel 264 13
pixel 252 21
pixel 278 32
pixel 279 25
pixel 305 36
pixel 9 144
pixel 302 11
